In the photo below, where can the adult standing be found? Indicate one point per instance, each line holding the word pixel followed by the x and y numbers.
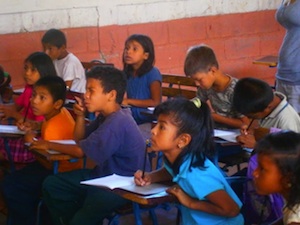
pixel 288 73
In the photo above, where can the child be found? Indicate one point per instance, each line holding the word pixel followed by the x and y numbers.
pixel 5 87
pixel 66 64
pixel 36 65
pixel 215 87
pixel 184 133
pixel 278 171
pixel 256 99
pixel 113 141
pixel 22 189
pixel 143 79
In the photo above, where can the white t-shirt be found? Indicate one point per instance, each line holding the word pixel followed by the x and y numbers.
pixel 290 216
pixel 71 69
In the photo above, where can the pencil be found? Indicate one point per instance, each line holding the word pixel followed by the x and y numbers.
pixel 145 157
pixel 249 125
pixel 26 112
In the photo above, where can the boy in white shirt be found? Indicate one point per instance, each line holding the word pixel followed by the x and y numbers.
pixel 67 65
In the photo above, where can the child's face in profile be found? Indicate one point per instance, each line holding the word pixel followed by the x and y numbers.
pixel 42 103
pixel 204 80
pixel 267 176
pixel 134 54
pixel 95 99
pixel 53 51
pixel 31 74
pixel 164 136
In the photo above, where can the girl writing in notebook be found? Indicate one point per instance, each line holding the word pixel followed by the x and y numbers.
pixel 184 133
pixel 278 171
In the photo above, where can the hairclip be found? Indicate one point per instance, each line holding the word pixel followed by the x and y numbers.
pixel 196 101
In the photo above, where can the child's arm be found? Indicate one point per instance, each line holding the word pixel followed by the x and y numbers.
pixel 79 110
pixel 156 176
pixel 11 111
pixel 155 90
pixel 218 202
pixel 72 150
pixel 232 122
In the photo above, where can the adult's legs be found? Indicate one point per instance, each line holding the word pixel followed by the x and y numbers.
pixel 22 192
pixel 292 93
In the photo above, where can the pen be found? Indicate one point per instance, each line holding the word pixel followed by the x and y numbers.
pixel 145 158
pixel 249 125
pixel 26 112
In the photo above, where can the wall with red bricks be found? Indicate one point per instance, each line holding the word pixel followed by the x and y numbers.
pixel 237 39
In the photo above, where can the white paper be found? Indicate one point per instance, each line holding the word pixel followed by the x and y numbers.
pixel 10 129
pixel 227 135
pixel 111 182
pixel 126 183
pixel 66 142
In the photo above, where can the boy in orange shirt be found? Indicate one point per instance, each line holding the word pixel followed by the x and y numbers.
pixel 22 188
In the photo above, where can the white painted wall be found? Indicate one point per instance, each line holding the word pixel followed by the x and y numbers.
pixel 34 15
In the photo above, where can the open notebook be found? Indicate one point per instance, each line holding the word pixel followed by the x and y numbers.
pixel 227 135
pixel 66 142
pixel 115 181
pixel 10 129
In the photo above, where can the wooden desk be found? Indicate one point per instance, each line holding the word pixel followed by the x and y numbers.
pixel 58 162
pixel 10 132
pixel 150 202
pixel 268 60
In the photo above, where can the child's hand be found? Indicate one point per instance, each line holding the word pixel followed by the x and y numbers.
pixel 125 101
pixel 39 144
pixel 78 107
pixel 182 197
pixel 140 180
pixel 25 126
pixel 246 140
pixel 7 111
pixel 29 137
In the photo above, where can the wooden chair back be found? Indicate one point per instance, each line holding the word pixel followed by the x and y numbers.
pixel 178 85
pixel 88 65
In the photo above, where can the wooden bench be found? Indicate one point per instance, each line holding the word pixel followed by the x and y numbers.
pixel 178 85
pixel 89 65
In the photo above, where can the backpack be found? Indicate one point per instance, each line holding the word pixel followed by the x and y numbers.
pixel 260 209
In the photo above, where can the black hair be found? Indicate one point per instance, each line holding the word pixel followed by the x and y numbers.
pixel 195 121
pixel 148 47
pixel 200 58
pixel 42 62
pixel 54 37
pixel 111 78
pixel 1 75
pixel 55 85
pixel 252 95
pixel 284 149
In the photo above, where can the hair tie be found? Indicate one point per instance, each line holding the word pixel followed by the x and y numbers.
pixel 196 101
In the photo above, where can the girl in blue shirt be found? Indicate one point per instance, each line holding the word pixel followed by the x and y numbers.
pixel 143 79
pixel 184 133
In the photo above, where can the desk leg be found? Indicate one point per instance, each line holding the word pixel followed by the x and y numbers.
pixel 8 152
pixel 137 215
pixel 55 167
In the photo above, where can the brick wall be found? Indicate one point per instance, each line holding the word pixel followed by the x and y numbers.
pixel 237 39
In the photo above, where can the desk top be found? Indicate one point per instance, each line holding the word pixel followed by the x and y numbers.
pixel 268 60
pixel 154 199
pixel 52 157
